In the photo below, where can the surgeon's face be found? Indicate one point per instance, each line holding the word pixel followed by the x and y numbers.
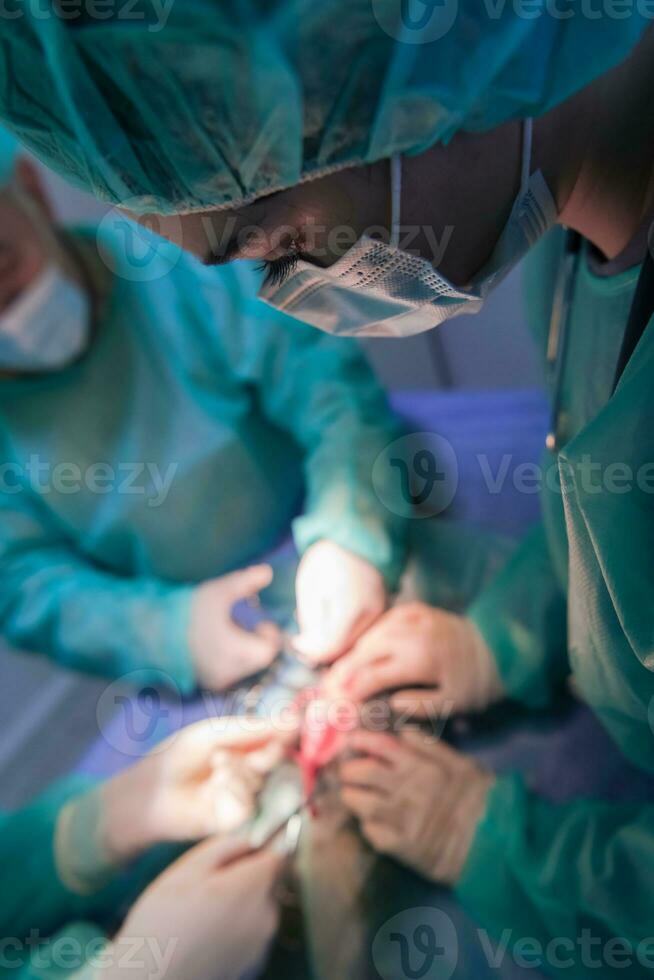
pixel 23 247
pixel 29 238
pixel 455 201
pixel 317 221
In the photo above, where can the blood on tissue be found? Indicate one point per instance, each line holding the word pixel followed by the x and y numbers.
pixel 320 740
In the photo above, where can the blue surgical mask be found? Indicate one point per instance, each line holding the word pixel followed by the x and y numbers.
pixel 47 326
pixel 379 290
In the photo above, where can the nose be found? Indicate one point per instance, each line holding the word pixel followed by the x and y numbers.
pixel 16 273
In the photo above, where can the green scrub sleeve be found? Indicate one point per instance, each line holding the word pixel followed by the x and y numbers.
pixel 565 888
pixel 55 602
pixel 344 503
pixel 321 391
pixel 37 904
pixel 522 617
pixel 34 896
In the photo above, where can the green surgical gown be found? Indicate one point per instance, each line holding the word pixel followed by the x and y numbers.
pixel 47 931
pixel 180 447
pixel 577 598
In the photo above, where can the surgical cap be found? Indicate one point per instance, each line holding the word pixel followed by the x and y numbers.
pixel 9 150
pixel 181 105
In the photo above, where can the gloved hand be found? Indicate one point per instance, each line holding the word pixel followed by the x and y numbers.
pixel 435 661
pixel 210 916
pixel 203 780
pixel 222 651
pixel 416 798
pixel 339 595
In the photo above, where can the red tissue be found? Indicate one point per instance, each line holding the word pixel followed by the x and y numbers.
pixel 320 741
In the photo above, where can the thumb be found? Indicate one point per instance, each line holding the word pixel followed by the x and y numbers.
pixel 205 857
pixel 247 582
pixel 227 850
pixel 320 637
pixel 258 870
pixel 313 647
pixel 255 650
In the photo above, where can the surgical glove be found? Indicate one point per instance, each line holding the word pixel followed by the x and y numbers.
pixel 223 652
pixel 210 916
pixel 436 662
pixel 84 858
pixel 417 799
pixel 203 780
pixel 339 595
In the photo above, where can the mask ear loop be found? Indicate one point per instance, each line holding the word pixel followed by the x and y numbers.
pixel 396 198
pixel 525 169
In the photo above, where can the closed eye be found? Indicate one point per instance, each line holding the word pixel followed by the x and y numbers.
pixel 278 270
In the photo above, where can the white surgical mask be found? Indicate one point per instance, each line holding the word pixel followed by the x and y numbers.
pixel 47 326
pixel 379 290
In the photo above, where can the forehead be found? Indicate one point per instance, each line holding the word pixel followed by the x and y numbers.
pixel 210 232
pixel 197 232
pixel 198 229
pixel 218 234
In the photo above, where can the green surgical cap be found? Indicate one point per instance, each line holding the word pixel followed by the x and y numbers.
pixel 179 105
pixel 9 150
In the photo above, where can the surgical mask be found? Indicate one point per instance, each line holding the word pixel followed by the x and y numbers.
pixel 379 290
pixel 47 327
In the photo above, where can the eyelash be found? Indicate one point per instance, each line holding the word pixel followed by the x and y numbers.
pixel 278 270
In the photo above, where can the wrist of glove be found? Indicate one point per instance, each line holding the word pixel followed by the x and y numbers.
pixel 84 858
pixel 417 800
pixel 469 668
pixel 455 814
